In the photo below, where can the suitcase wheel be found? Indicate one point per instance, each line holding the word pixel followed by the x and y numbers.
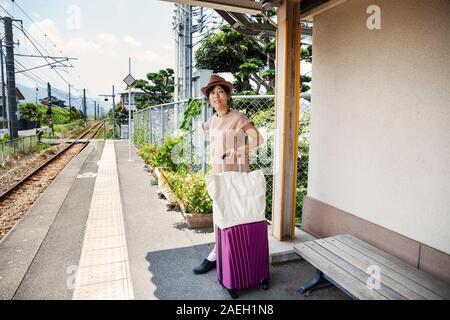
pixel 233 293
pixel 265 284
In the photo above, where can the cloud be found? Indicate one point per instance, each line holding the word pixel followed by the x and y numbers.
pixel 45 29
pixel 148 56
pixel 108 38
pixel 102 56
pixel 168 47
pixel 132 42
pixel 6 4
pixel 36 15
pixel 82 46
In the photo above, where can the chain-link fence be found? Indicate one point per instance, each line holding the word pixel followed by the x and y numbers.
pixel 156 124
pixel 21 145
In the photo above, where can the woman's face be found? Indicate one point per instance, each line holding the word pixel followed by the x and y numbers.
pixel 218 98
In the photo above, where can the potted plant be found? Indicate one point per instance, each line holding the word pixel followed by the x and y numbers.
pixel 163 163
pixel 147 152
pixel 165 189
pixel 196 205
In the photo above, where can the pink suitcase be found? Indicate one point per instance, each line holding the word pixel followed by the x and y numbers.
pixel 243 256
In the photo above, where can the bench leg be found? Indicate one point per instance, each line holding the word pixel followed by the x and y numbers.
pixel 317 282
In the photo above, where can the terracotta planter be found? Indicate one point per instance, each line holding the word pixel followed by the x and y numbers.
pixel 198 220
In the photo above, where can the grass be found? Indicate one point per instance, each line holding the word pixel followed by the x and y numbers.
pixel 24 145
pixel 9 160
pixel 40 147
pixel 68 131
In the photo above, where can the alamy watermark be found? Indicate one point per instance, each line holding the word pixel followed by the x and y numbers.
pixel 374 20
pixel 74 17
pixel 71 281
pixel 374 281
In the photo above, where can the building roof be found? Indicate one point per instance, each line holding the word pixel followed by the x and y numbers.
pixel 133 90
pixel 19 95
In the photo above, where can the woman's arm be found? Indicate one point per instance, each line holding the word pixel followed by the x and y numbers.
pixel 256 140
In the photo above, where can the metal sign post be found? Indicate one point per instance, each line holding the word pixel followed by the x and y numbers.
pixel 129 80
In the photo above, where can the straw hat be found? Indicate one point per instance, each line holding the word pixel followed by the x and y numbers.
pixel 216 80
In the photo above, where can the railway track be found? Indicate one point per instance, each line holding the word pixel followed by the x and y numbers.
pixel 16 201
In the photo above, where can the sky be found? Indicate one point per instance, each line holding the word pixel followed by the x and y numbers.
pixel 101 34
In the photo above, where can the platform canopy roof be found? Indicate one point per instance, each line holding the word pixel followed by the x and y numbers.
pixel 308 8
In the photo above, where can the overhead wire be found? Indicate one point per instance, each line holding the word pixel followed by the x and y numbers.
pixel 41 49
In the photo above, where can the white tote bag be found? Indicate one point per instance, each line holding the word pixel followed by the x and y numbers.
pixel 238 197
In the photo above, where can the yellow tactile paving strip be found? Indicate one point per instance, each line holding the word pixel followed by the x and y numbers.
pixel 104 272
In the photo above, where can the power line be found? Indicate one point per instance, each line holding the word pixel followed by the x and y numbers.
pixel 37 43
pixel 43 56
pixel 37 79
pixel 34 44
pixel 53 43
pixel 32 21
pixel 6 11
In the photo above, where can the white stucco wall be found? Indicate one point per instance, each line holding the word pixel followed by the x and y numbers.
pixel 380 128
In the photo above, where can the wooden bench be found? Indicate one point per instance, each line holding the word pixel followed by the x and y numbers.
pixel 365 272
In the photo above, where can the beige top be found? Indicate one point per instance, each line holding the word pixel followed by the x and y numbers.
pixel 226 133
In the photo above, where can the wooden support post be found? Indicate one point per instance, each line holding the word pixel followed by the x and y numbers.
pixel 287 114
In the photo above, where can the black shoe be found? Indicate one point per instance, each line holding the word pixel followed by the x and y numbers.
pixel 204 267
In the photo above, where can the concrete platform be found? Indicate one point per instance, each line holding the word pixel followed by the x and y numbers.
pixel 163 251
pixel 38 254
pixel 283 251
pixel 41 257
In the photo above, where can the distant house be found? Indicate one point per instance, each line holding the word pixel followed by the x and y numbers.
pixel 3 110
pixel 55 102
pixel 134 93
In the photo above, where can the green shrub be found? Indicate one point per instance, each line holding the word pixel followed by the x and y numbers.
pixel 41 147
pixel 176 183
pixel 197 199
pixel 153 181
pixel 66 127
pixel 147 152
pixel 138 137
pixel 163 156
pixel 30 112
pixel 193 110
pixel 4 138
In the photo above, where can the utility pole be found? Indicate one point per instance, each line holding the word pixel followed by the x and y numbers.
pixel 49 110
pixel 104 126
pixel 38 121
pixel 4 106
pixel 129 113
pixel 84 106
pixel 184 30
pixel 95 110
pixel 188 93
pixel 106 96
pixel 114 113
pixel 11 80
pixel 70 105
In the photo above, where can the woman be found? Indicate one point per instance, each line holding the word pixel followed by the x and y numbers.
pixel 228 131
